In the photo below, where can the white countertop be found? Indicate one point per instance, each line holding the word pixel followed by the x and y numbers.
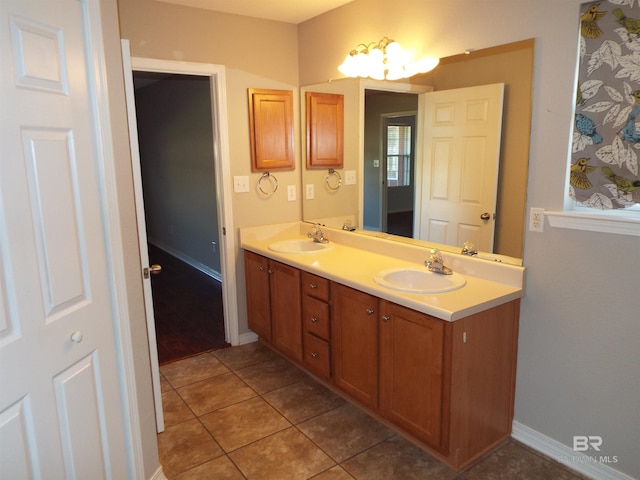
pixel 355 259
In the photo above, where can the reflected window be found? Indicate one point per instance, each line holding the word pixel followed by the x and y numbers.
pixel 398 155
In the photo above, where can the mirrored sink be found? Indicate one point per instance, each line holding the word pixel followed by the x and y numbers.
pixel 300 246
pixel 418 280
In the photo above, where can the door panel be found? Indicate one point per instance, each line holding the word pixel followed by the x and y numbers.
pixel 60 410
pixel 462 131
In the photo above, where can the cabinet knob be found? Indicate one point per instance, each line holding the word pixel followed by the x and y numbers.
pixel 369 311
pixel 261 268
pixel 269 271
pixel 76 337
pixel 314 355
pixel 386 318
pixel 314 319
pixel 313 286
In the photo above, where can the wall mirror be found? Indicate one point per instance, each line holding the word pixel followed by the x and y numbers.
pixel 510 64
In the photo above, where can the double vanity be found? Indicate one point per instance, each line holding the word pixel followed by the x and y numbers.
pixel 432 355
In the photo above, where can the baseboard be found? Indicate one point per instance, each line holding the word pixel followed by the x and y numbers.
pixel 560 452
pixel 248 337
pixel 158 475
pixel 187 259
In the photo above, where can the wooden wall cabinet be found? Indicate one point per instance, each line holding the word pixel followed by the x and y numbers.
pixel 325 130
pixel 271 130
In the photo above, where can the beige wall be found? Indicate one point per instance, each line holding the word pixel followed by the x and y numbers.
pixel 578 353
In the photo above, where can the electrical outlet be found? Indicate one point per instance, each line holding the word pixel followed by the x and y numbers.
pixel 536 219
pixel 291 193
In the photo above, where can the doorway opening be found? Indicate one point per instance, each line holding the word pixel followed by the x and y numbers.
pixel 175 136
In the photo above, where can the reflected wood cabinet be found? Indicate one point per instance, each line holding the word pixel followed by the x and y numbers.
pixel 449 385
pixel 325 130
pixel 271 130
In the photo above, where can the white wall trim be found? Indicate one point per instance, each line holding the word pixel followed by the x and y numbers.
pixel 576 461
pixel 612 222
pixel 158 475
pixel 248 337
pixel 101 114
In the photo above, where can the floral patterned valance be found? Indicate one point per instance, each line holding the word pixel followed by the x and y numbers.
pixel 606 135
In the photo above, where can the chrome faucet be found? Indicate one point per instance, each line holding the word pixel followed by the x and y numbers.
pixel 317 234
pixel 435 263
pixel 469 249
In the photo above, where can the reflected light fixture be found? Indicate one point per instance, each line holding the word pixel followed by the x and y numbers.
pixel 384 60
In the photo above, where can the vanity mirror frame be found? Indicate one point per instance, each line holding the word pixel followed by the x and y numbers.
pixel 516 138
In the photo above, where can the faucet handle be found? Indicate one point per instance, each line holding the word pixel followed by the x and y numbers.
pixel 469 249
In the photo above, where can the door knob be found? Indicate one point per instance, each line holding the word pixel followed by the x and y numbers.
pixel 154 269
pixel 485 216
pixel 76 337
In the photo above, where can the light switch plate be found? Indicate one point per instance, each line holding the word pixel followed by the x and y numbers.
pixel 309 191
pixel 349 177
pixel 240 184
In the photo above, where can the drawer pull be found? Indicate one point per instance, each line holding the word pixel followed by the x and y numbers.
pixel 314 319
pixel 369 311
pixel 315 355
pixel 313 286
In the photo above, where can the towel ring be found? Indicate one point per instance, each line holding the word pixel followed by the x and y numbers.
pixel 337 182
pixel 274 184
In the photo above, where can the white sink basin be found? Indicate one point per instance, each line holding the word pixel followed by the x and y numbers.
pixel 300 246
pixel 418 280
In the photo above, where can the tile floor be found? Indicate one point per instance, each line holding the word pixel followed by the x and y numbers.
pixel 246 413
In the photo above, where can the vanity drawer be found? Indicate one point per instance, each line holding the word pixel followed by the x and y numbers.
pixel 315 286
pixel 315 317
pixel 317 356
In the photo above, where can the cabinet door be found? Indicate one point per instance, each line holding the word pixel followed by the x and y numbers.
pixel 412 371
pixel 286 310
pixel 271 130
pixel 256 269
pixel 325 130
pixel 354 343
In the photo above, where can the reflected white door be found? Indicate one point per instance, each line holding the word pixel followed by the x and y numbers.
pixel 461 145
pixel 60 398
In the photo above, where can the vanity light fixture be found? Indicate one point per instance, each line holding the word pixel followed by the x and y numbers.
pixel 382 60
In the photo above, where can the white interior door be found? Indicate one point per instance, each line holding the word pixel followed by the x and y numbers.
pixel 142 234
pixel 60 398
pixel 461 154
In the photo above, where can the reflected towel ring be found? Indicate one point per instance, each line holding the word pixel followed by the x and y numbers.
pixel 336 184
pixel 274 184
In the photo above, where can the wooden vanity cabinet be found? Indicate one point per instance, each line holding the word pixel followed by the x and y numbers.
pixel 256 271
pixel 413 367
pixel 354 343
pixel 274 303
pixel 316 329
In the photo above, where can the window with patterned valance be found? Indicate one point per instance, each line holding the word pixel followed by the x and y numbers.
pixel 606 133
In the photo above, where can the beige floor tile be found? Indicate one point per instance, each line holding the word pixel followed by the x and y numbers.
pixel 184 446
pixel 245 355
pixel 397 459
pixel 335 473
pixel 165 386
pixel 220 468
pixel 192 369
pixel 214 393
pixel 240 424
pixel 303 400
pixel 514 461
pixel 267 376
pixel 345 431
pixel 174 409
pixel 285 455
